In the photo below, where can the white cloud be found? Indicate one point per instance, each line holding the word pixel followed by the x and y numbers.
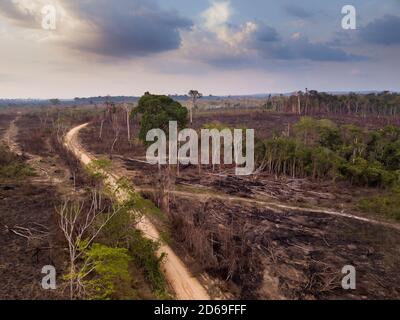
pixel 296 35
pixel 131 28
pixel 217 15
pixel 216 20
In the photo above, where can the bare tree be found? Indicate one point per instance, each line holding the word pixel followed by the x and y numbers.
pixel 101 128
pixel 116 129
pixel 194 95
pixel 299 94
pixel 80 226
pixel 307 101
pixel 128 126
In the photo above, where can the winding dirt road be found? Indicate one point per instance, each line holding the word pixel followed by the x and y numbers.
pixel 185 286
pixel 10 137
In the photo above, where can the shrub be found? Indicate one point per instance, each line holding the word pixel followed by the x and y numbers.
pixel 144 253
pixel 13 168
pixel 110 266
pixel 387 205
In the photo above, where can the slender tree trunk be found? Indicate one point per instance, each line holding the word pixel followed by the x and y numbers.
pixel 101 129
pixel 128 126
pixel 298 105
pixel 191 110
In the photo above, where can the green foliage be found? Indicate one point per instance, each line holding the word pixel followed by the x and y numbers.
pixel 96 170
pixel 386 205
pixel 101 164
pixel 157 111
pixel 110 267
pixel 317 132
pixel 120 232
pixel 144 252
pixel 116 232
pixel 321 150
pixel 385 147
pixel 12 168
pixel 55 102
pixel 216 125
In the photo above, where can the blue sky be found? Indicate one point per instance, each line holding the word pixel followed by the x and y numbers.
pixel 127 47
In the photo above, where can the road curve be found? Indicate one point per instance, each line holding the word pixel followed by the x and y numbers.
pixel 185 286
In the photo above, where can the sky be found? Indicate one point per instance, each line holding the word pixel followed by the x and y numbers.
pixel 219 47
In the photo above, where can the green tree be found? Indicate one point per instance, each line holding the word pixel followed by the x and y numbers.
pixel 54 102
pixel 157 111
pixel 110 272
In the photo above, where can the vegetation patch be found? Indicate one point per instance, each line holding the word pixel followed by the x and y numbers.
pixel 12 167
pixel 386 205
pixel 321 150
pixel 112 279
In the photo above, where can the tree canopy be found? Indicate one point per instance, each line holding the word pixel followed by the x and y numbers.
pixel 157 111
pixel 322 150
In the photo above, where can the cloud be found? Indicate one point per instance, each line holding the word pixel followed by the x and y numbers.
pixel 266 33
pixel 138 28
pixel 127 28
pixel 383 31
pixel 298 12
pixel 301 48
pixel 220 43
pixel 217 15
pixel 216 21
pixel 119 28
pixel 200 45
pixel 22 13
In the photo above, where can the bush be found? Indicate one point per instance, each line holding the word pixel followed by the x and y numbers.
pixel 112 279
pixel 387 205
pixel 119 232
pixel 144 253
pixel 13 168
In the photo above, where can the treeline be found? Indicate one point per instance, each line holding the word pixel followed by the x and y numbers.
pixel 316 103
pixel 322 150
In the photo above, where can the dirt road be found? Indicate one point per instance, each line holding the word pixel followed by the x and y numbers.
pixel 10 137
pixel 185 286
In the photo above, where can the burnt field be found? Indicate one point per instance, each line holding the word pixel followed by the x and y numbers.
pixel 230 228
pixel 5 120
pixel 30 240
pixel 28 226
pixel 260 236
pixel 283 254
